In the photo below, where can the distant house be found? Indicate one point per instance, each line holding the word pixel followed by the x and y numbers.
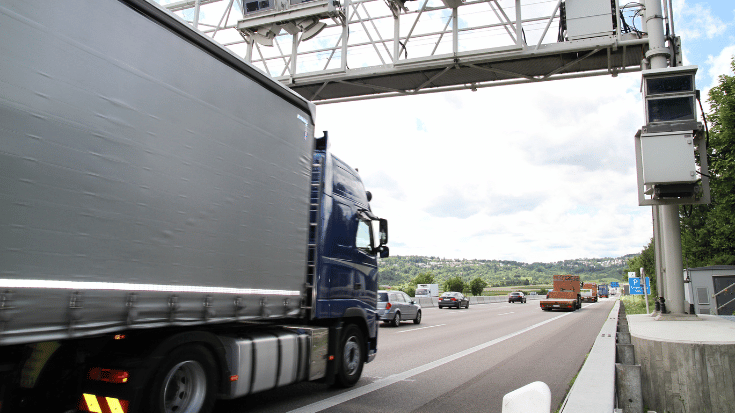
pixel 704 282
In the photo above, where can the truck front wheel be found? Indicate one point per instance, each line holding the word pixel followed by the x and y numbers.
pixel 185 382
pixel 350 357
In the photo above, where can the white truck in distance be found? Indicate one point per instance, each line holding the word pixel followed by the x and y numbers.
pixel 427 290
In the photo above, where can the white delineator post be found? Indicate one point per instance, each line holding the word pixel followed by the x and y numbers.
pixel 531 398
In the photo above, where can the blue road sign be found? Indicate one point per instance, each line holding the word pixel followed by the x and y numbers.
pixel 615 284
pixel 636 288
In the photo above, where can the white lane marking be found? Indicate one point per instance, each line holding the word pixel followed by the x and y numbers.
pixel 512 312
pixel 420 328
pixel 395 378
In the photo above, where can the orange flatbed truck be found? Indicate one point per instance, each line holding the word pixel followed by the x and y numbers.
pixel 565 295
pixel 592 297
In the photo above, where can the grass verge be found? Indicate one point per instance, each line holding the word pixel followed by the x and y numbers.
pixel 635 304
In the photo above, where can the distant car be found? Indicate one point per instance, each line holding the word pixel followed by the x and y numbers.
pixel 516 296
pixel 453 299
pixel 397 306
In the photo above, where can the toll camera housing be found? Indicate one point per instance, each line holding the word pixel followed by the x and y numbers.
pixel 670 149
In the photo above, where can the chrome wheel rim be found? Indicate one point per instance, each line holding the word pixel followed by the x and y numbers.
pixel 185 388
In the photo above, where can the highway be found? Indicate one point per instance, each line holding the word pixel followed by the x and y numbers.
pixel 455 360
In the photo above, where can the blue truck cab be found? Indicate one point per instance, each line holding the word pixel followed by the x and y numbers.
pixel 347 240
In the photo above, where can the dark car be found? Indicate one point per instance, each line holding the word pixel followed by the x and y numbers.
pixel 453 299
pixel 396 306
pixel 517 296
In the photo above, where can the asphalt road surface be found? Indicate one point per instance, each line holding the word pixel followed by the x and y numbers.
pixel 462 360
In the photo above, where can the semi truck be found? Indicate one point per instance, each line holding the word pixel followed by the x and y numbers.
pixel 603 291
pixel 565 295
pixel 172 231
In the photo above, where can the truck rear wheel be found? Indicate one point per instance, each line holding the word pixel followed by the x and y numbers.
pixel 185 382
pixel 350 357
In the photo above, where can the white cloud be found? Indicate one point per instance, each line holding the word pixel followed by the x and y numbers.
pixel 696 20
pixel 720 64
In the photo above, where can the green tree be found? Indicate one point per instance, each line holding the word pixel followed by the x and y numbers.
pixel 708 231
pixel 424 278
pixel 477 285
pixel 454 284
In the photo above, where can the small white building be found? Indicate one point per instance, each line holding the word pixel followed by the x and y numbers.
pixel 704 282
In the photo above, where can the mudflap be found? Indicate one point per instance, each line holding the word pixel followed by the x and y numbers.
pixel 335 333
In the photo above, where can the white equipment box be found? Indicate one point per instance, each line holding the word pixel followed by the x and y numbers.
pixel 668 158
pixel 588 18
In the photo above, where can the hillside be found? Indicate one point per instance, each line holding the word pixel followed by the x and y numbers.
pixel 401 269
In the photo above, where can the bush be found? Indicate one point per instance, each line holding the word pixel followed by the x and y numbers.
pixel 477 285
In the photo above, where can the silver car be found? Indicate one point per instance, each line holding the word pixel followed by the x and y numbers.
pixel 396 306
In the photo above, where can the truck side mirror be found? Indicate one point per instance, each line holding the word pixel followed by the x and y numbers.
pixel 384 252
pixel 383 231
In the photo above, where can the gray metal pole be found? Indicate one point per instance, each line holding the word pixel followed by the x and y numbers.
pixel 345 34
pixel 658 252
pixel 396 37
pixel 196 14
pixel 455 31
pixel 668 214
pixel 673 272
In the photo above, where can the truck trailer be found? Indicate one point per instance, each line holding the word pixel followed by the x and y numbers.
pixel 566 294
pixel 603 291
pixel 172 231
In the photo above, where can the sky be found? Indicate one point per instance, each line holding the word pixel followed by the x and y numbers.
pixel 531 173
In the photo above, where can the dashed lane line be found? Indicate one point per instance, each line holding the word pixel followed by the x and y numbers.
pixel 420 328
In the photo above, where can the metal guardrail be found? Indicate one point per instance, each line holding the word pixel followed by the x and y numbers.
pixel 724 290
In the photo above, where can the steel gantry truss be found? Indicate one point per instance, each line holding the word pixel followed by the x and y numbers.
pixel 340 50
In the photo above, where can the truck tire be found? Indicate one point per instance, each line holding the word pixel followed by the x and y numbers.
pixel 350 357
pixel 186 382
